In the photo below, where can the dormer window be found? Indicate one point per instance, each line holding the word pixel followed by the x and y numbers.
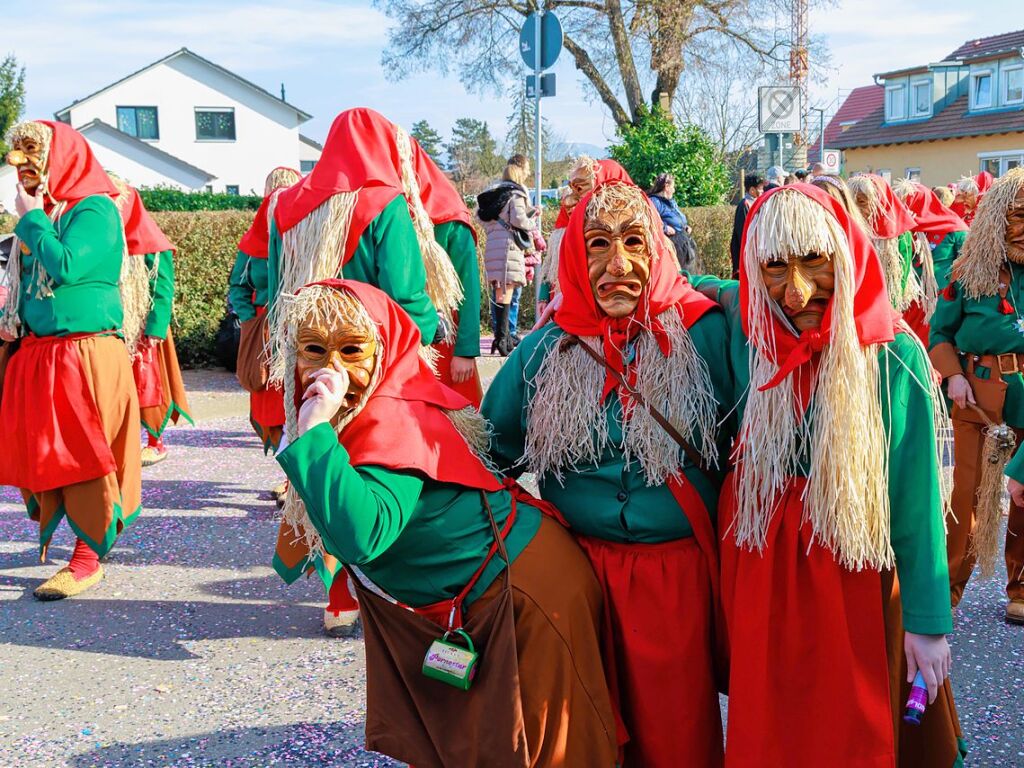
pixel 921 98
pixel 895 102
pixel 1013 85
pixel 981 90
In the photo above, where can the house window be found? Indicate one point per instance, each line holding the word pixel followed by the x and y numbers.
pixel 140 122
pixel 307 165
pixel 886 174
pixel 1013 85
pixel 998 163
pixel 209 188
pixel 912 174
pixel 895 102
pixel 921 94
pixel 231 189
pixel 981 90
pixel 214 124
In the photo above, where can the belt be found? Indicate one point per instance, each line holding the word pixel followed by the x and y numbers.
pixel 1007 363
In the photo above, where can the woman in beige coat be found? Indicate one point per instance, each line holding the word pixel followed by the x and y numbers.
pixel 504 260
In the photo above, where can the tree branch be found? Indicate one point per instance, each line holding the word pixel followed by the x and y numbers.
pixel 586 65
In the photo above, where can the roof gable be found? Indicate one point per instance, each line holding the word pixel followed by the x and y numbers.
pixel 860 103
pixel 303 116
pixel 989 46
pixel 148 149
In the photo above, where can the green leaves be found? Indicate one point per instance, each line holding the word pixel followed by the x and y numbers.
pixel 657 145
pixel 171 199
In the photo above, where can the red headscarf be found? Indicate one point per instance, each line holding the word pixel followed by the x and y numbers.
pixel 441 200
pixel 73 172
pixel 403 424
pixel 931 216
pixel 893 217
pixel 606 170
pixel 255 243
pixel 984 181
pixel 140 231
pixel 873 314
pixel 666 289
pixel 360 154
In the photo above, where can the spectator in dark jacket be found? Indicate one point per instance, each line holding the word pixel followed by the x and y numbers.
pixel 754 187
pixel 673 220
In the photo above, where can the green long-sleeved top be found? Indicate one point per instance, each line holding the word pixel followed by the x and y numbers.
pixel 82 255
pixel 161 288
pixel 610 500
pixel 386 257
pixel 248 286
pixel 917 528
pixel 905 243
pixel 457 240
pixel 418 539
pixel 943 256
pixel 979 327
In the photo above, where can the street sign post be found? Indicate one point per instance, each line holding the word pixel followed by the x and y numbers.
pixel 779 109
pixel 547 85
pixel 832 159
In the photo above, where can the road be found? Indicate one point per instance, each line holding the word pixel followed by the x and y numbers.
pixel 193 653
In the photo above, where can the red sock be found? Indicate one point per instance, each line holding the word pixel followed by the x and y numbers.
pixel 84 562
pixel 340 597
pixel 155 442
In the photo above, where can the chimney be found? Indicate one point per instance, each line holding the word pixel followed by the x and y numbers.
pixel 282 92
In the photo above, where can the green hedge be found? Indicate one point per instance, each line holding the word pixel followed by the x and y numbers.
pixel 170 199
pixel 712 231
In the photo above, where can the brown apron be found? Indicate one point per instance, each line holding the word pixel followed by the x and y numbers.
pixel 251 369
pixel 425 722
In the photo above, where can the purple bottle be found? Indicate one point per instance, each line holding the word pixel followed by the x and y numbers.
pixel 916 701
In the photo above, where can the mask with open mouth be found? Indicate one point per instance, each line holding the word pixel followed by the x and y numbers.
pixel 330 338
pixel 618 256
pixel 28 157
pixel 801 286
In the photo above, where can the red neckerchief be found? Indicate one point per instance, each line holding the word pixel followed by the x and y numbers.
pixel 874 316
pixel 73 172
pixel 581 315
pixel 403 425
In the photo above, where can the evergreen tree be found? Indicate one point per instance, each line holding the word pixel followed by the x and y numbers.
pixel 472 153
pixel 12 97
pixel 522 128
pixel 429 139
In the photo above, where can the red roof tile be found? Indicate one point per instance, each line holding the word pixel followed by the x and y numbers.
pixel 986 46
pixel 860 103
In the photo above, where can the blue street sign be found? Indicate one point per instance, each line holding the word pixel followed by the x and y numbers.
pixel 550 41
pixel 547 85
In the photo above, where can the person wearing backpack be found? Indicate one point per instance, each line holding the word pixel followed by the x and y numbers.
pixel 508 220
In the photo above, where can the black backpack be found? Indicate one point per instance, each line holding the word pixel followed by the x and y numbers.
pixel 491 202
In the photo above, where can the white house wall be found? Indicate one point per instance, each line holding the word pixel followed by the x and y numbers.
pixel 137 167
pixel 266 129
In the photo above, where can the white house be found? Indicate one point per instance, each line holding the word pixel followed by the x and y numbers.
pixel 186 122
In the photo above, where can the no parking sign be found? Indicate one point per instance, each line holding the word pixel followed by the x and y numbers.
pixel 832 159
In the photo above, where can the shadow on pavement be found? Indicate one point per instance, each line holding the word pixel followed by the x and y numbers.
pixel 299 744
pixel 193 437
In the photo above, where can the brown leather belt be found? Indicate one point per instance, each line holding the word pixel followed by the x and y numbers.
pixel 1007 363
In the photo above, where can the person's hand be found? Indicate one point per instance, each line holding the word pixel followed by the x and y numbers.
pixel 323 398
pixel 931 655
pixel 959 390
pixel 7 337
pixel 462 369
pixel 1016 491
pixel 549 311
pixel 669 230
pixel 24 202
pixel 541 307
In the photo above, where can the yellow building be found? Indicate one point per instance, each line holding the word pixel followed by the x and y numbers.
pixel 941 121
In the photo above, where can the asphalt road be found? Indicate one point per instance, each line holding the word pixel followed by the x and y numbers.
pixel 193 653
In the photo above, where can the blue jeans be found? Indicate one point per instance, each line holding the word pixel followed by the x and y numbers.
pixel 513 311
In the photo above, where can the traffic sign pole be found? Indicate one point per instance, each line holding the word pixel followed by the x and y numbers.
pixel 538 70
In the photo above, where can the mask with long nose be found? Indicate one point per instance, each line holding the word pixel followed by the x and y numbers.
pixel 618 259
pixel 801 286
pixel 329 340
pixel 27 158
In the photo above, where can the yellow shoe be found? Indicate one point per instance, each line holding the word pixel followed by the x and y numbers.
pixel 1015 611
pixel 63 584
pixel 151 455
pixel 342 623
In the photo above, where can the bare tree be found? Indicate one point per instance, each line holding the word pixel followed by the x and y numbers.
pixel 606 39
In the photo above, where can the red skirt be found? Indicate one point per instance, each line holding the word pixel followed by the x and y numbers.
pixel 658 645
pixel 148 381
pixel 914 317
pixel 471 389
pixel 809 679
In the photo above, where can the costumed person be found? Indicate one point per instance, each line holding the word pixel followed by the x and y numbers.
pixel 940 235
pixel 69 417
pixel 453 231
pixel 248 294
pixel 357 214
pixel 147 299
pixel 614 406
pixel 969 191
pixel 891 230
pixel 835 506
pixel 387 473
pixel 977 345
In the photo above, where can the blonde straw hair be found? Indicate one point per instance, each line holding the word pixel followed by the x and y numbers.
pixel 279 178
pixel 984 252
pixel 134 282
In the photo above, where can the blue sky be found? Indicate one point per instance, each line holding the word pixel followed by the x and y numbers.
pixel 328 54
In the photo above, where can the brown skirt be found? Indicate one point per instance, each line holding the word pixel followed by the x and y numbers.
pixel 98 510
pixel 175 402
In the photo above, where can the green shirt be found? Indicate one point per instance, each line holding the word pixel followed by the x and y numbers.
pixel 979 327
pixel 917 528
pixel 943 256
pixel 161 288
pixel 386 257
pixel 417 539
pixel 82 255
pixel 248 286
pixel 609 500
pixel 457 240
